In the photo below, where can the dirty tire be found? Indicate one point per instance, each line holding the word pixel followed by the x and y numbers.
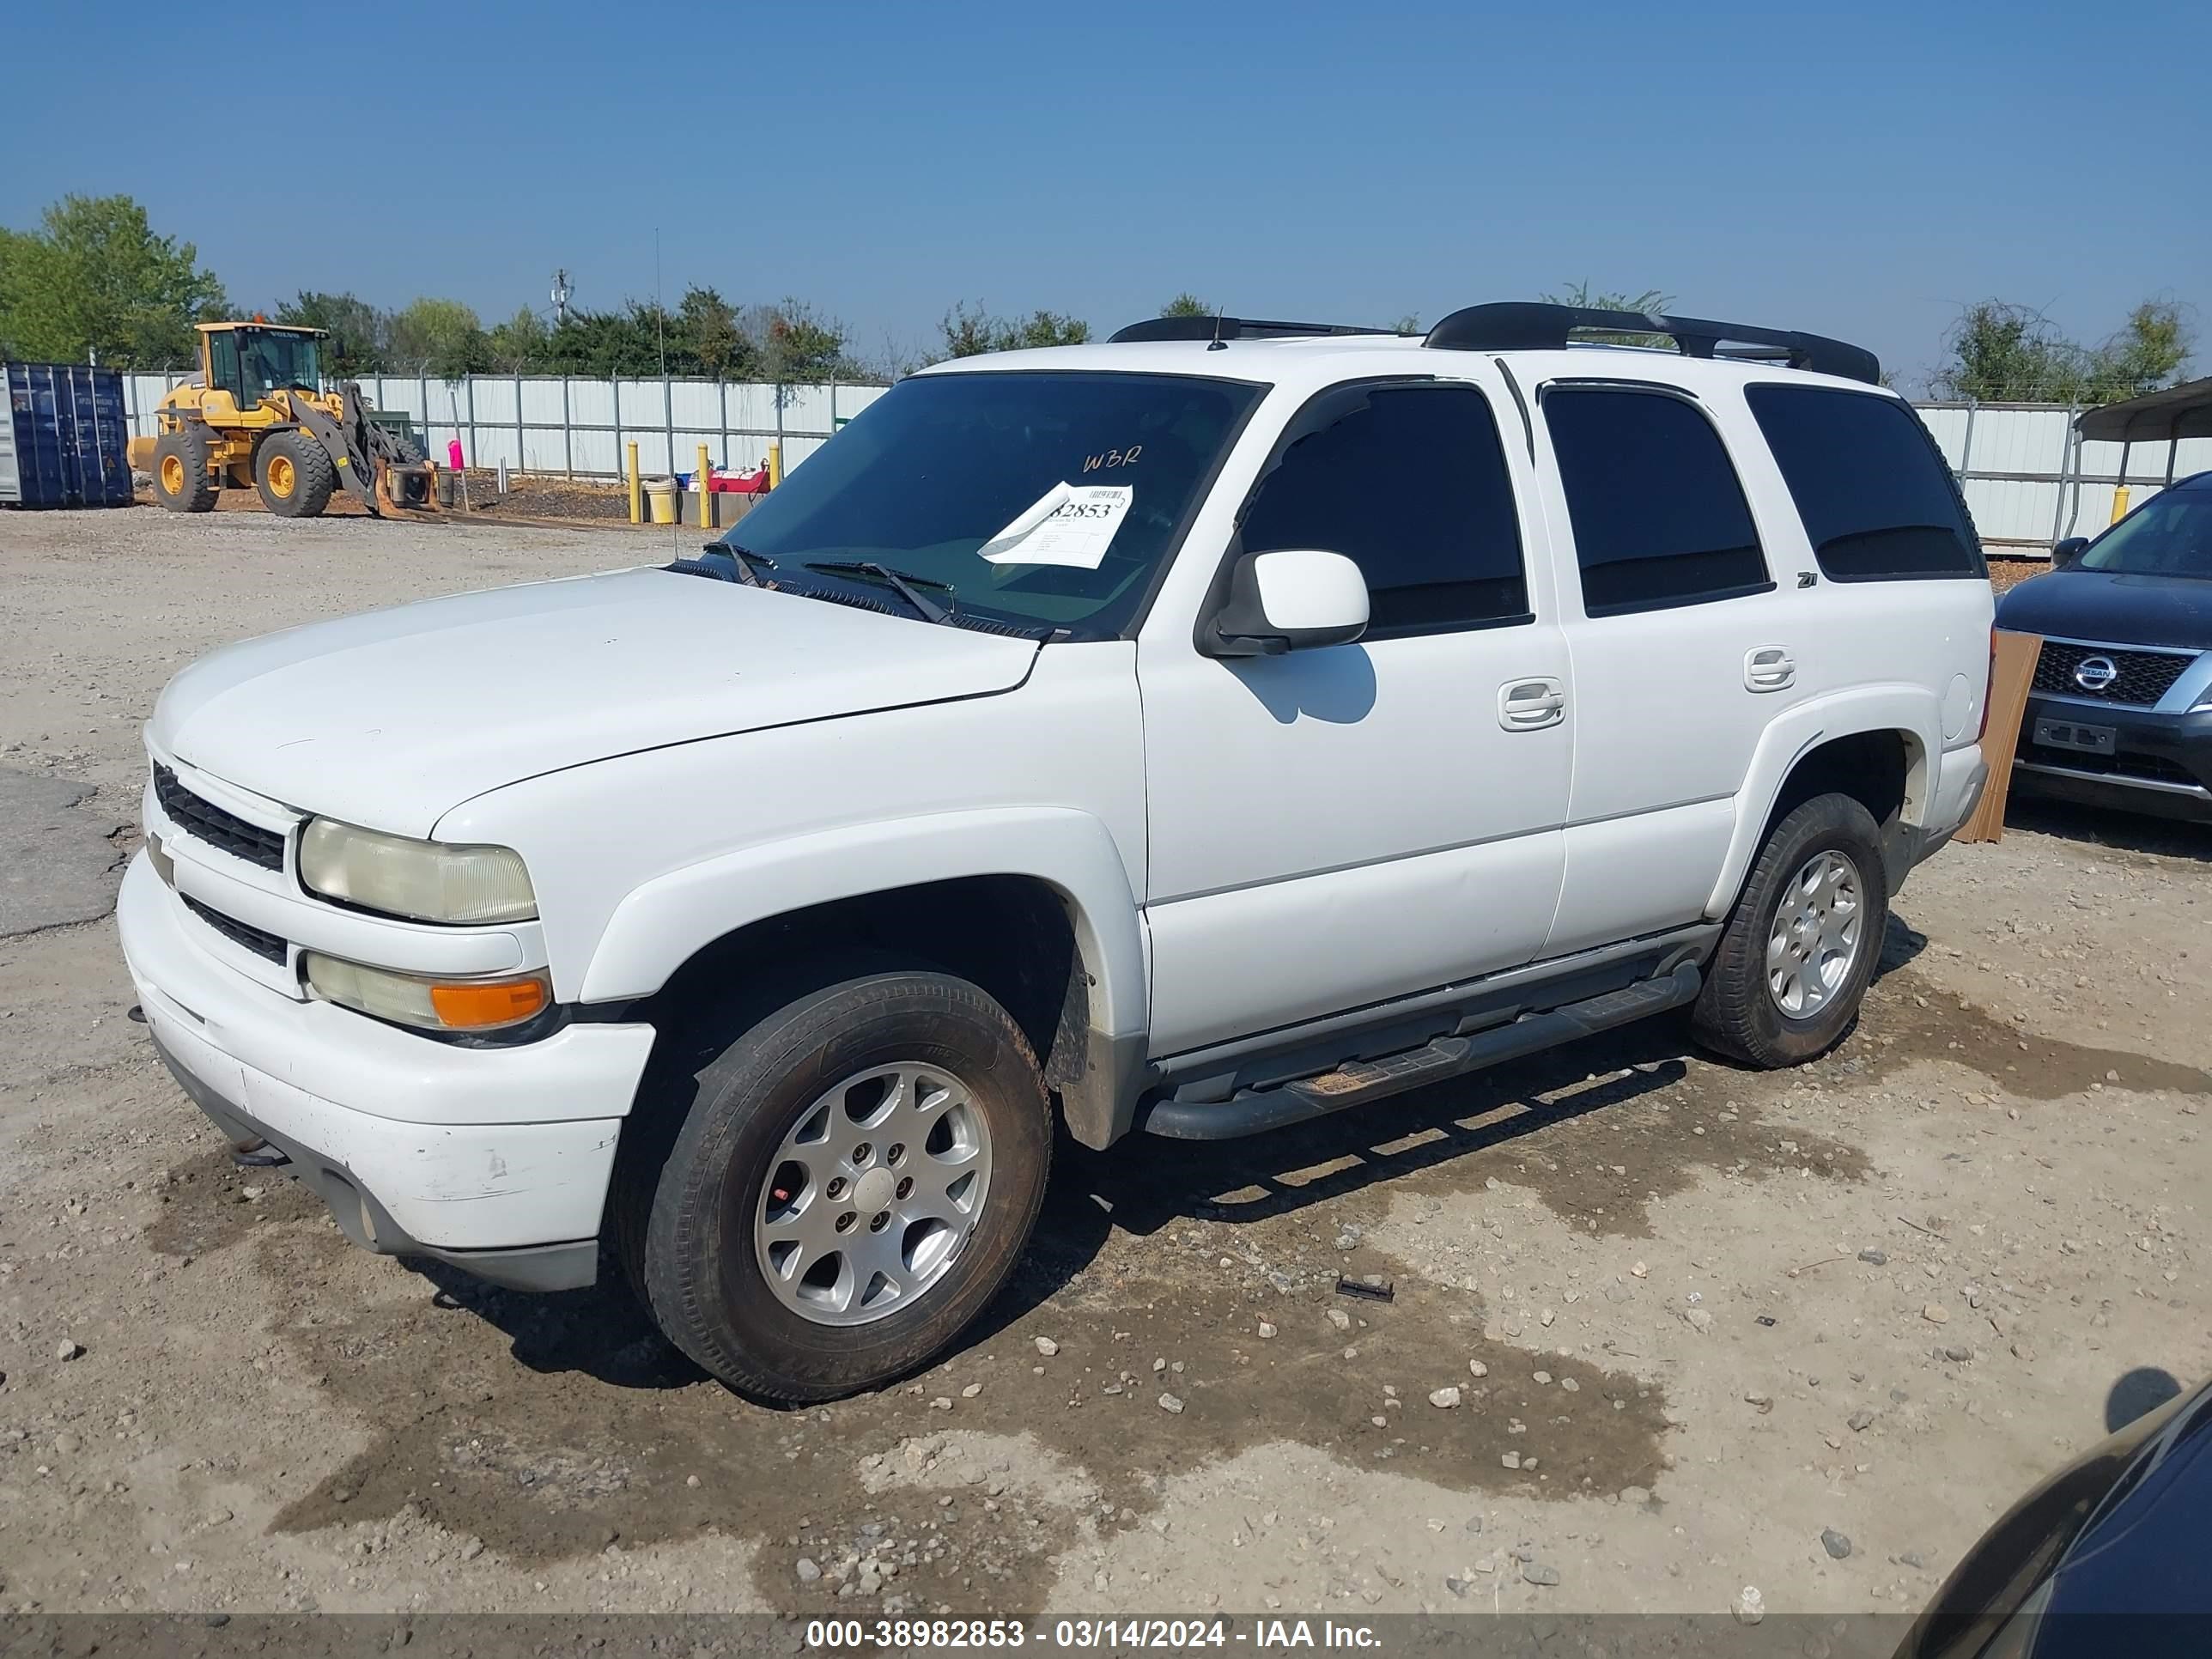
pixel 405 450
pixel 683 1213
pixel 299 459
pixel 1735 1014
pixel 181 482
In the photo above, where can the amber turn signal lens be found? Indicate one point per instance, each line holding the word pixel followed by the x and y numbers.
pixel 473 1007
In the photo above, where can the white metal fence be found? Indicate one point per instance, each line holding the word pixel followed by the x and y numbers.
pixel 576 427
pixel 2026 476
pixel 2029 480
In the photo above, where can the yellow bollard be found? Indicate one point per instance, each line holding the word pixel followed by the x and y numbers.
pixel 704 478
pixel 2119 503
pixel 636 490
pixel 774 464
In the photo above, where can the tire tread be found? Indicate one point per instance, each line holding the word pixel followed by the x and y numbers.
pixel 190 445
pixel 1733 1013
pixel 655 1217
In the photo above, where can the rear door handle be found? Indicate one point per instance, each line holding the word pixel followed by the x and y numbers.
pixel 1532 704
pixel 1769 668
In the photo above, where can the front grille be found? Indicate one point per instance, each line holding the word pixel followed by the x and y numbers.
pixel 2148 769
pixel 261 944
pixel 206 822
pixel 2142 677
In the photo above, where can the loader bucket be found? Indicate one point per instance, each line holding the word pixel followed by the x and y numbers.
pixel 408 486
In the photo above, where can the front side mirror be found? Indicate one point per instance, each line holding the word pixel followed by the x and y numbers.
pixel 2065 555
pixel 1290 600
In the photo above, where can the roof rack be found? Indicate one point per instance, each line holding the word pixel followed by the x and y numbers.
pixel 1526 326
pixel 1225 328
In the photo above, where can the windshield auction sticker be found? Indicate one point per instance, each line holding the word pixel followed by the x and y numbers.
pixel 1070 525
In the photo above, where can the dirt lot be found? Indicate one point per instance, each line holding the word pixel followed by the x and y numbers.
pixel 1695 1317
pixel 529 499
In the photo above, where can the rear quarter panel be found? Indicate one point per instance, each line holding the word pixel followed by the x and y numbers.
pixel 1909 656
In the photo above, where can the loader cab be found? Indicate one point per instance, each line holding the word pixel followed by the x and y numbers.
pixel 250 361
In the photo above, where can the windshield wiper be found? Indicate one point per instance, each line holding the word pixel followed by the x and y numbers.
pixel 745 559
pixel 927 610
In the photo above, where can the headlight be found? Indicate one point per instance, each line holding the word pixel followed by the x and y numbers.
pixel 431 1005
pixel 422 880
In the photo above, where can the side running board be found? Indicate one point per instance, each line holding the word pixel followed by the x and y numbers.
pixel 1250 1111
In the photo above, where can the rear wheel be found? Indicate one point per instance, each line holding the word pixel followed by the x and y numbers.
pixel 849 1180
pixel 181 480
pixel 405 450
pixel 1800 947
pixel 294 474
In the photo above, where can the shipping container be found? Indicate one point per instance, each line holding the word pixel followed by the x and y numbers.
pixel 62 442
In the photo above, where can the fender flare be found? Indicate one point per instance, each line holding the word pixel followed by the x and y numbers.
pixel 1902 706
pixel 664 923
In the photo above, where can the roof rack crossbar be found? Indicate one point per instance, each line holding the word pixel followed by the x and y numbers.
pixel 1231 328
pixel 1517 325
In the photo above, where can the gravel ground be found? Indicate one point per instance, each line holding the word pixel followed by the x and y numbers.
pixel 2007 574
pixel 1661 1329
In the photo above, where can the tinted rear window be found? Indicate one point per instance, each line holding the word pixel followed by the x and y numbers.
pixel 1659 517
pixel 1871 488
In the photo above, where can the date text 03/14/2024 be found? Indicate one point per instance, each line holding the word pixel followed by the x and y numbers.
pixel 1086 1633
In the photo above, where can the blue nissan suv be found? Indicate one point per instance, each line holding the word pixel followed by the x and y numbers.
pixel 2120 714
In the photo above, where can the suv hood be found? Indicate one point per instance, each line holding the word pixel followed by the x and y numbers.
pixel 392 719
pixel 2106 609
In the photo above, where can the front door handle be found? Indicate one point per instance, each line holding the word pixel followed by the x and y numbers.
pixel 1531 705
pixel 1769 668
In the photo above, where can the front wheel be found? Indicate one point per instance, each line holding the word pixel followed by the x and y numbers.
pixel 1801 945
pixel 295 475
pixel 854 1178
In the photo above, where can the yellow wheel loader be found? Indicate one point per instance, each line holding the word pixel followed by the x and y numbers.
pixel 258 418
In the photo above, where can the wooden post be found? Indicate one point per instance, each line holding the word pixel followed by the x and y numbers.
pixel 2012 670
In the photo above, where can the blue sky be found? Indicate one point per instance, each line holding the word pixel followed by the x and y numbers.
pixel 1862 173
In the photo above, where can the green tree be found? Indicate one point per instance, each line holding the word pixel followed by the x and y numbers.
pixel 439 337
pixel 654 329
pixel 606 342
pixel 2150 352
pixel 970 330
pixel 2002 352
pixel 799 346
pixel 1186 304
pixel 519 344
pixel 967 332
pixel 1650 303
pixel 1047 328
pixel 15 248
pixel 357 330
pixel 95 278
pixel 2007 353
pixel 707 326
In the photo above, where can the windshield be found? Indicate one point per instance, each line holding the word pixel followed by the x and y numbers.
pixel 2170 535
pixel 271 362
pixel 1045 499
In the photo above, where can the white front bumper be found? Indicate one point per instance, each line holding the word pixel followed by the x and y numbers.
pixel 454 1149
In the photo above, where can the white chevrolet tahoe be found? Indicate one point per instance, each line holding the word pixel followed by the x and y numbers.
pixel 1189 734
